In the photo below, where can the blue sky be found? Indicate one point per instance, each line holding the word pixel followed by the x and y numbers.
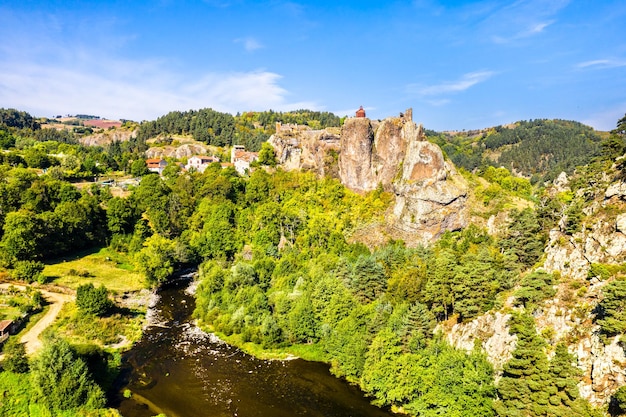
pixel 458 64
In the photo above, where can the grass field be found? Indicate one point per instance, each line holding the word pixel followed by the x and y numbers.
pixel 106 267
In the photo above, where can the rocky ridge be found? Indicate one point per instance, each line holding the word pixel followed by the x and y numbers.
pixel 569 316
pixel 107 137
pixel 392 154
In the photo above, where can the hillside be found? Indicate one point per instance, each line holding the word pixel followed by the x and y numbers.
pixel 519 309
pixel 540 149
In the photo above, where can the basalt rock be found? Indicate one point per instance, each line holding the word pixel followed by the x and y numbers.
pixel 392 154
pixel 395 155
pixel 302 148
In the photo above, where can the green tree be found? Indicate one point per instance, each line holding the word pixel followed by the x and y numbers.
pixel 15 359
pixel 612 309
pixel 438 293
pixel 368 278
pixel 618 402
pixel 120 215
pixel 213 230
pixel 302 321
pixel 267 156
pixel 62 381
pixel 28 270
pixel 524 237
pixel 524 389
pixel 138 168
pixel 565 399
pixel 92 300
pixel 157 259
pixel 21 237
pixel 534 287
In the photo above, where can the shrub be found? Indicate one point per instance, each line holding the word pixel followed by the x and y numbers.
pixel 92 300
pixel 27 270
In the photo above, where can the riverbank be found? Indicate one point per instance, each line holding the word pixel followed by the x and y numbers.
pixel 178 369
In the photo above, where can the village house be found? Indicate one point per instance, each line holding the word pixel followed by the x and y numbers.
pixel 199 163
pixel 156 165
pixel 242 159
pixel 6 327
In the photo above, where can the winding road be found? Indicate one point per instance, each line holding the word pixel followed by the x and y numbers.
pixel 31 340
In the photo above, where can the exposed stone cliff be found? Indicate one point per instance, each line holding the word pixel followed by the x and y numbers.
pixel 299 147
pixel 601 239
pixel 393 154
pixel 570 316
pixel 108 136
pixel 178 152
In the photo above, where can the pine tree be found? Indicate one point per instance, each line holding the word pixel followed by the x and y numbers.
pixel 523 388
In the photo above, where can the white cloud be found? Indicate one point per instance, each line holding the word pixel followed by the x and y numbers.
pixel 602 63
pixel 521 19
pixel 466 81
pixel 47 74
pixel 250 44
pixel 439 103
pixel 135 90
pixel 532 29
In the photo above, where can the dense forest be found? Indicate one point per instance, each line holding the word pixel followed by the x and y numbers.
pixel 250 129
pixel 279 269
pixel 540 148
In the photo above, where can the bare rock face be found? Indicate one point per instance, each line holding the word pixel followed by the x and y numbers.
pixel 392 154
pixel 430 196
pixel 355 160
pixel 298 147
pixel 601 240
pixel 616 189
pixel 178 152
pixel 492 333
pixel 107 137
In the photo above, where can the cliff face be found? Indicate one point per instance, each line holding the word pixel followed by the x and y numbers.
pixel 601 239
pixel 298 147
pixel 570 316
pixel 107 137
pixel 392 154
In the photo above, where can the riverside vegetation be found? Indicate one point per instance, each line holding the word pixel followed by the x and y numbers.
pixel 280 272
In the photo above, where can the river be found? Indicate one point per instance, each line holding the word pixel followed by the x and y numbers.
pixel 179 370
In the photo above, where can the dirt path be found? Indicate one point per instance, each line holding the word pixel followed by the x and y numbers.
pixel 31 340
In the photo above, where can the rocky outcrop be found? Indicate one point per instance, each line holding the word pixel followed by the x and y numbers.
pixel 107 137
pixel 617 189
pixel 430 197
pixel 392 154
pixel 357 150
pixel 602 238
pixel 178 152
pixel 301 148
pixel 603 366
pixel 491 331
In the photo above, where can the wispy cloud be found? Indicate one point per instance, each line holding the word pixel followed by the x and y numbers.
pixel 447 87
pixel 439 102
pixel 602 63
pixel 135 90
pixel 521 19
pixel 49 74
pixel 532 29
pixel 250 44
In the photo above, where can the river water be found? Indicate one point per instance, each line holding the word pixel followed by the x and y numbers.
pixel 181 371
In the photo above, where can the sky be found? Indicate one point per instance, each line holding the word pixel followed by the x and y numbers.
pixel 458 64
